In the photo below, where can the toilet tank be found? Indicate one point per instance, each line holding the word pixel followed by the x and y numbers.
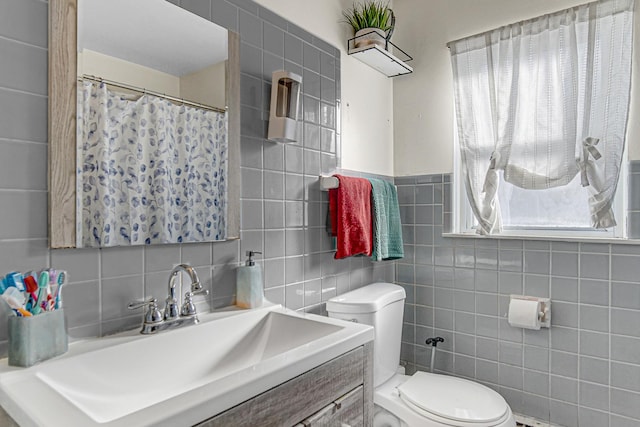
pixel 380 305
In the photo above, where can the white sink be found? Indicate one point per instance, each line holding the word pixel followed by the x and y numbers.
pixel 178 377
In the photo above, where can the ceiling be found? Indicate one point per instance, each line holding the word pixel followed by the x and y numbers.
pixel 152 33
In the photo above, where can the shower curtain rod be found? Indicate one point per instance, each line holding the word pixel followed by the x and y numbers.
pixel 150 92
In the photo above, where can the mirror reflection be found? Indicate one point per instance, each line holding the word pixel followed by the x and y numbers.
pixel 152 146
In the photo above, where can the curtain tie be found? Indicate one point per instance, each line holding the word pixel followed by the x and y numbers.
pixel 588 147
pixel 491 178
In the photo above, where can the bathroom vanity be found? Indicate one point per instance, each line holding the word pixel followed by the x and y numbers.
pixel 265 366
pixel 338 392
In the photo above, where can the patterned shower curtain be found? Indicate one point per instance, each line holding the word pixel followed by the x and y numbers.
pixel 149 171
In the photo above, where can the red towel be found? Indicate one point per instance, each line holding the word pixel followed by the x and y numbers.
pixel 350 212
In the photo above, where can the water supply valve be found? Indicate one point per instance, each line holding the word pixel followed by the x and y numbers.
pixel 434 341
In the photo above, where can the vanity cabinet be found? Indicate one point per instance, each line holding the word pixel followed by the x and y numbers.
pixel 336 393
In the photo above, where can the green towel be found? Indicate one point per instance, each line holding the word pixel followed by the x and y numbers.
pixel 387 228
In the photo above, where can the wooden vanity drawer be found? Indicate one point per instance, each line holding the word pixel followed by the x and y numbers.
pixel 347 411
pixel 293 401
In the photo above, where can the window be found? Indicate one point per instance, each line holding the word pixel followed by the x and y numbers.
pixel 541 112
pixel 559 211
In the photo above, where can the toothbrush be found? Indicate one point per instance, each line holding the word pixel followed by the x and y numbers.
pixel 62 279
pixel 43 283
pixel 32 287
pixel 53 274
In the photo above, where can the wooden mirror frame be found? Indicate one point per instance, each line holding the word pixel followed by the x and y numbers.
pixel 62 126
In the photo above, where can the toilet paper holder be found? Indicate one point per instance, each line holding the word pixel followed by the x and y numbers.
pixel 544 314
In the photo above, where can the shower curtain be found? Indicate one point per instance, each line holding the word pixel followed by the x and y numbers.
pixel 149 171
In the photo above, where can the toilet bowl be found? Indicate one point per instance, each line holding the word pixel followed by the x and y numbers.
pixel 384 418
pixel 422 399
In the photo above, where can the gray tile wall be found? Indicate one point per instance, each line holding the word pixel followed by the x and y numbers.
pixel 282 206
pixel 584 371
pixel 634 199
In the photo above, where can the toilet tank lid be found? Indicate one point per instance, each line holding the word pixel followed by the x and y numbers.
pixel 367 299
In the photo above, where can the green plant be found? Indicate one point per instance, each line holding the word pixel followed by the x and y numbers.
pixel 372 14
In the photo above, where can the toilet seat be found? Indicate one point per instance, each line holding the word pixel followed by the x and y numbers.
pixel 454 399
pixel 387 397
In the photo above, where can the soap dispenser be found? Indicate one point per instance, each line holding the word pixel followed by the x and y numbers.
pixel 285 100
pixel 249 292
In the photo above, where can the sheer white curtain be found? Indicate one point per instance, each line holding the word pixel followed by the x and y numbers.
pixel 149 171
pixel 543 100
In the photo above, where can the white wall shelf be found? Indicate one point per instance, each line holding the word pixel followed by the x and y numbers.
pixel 383 60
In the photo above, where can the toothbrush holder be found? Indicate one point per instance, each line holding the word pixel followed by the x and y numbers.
pixel 37 338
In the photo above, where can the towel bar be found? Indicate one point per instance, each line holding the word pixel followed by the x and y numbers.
pixel 328 182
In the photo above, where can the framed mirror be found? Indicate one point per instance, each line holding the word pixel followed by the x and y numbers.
pixel 143 125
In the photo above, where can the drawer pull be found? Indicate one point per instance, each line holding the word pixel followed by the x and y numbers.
pixel 339 401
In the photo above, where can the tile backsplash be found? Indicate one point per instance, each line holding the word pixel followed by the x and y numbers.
pixel 584 371
pixel 282 206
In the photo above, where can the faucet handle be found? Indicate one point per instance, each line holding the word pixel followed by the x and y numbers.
pixel 134 305
pixel 188 308
pixel 153 314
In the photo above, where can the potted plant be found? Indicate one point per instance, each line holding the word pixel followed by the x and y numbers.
pixel 372 22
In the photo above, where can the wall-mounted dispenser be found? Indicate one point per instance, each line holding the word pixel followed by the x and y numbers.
pixel 285 99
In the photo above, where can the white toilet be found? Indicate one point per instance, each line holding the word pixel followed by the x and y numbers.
pixel 423 399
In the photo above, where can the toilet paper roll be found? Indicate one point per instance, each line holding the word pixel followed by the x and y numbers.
pixel 524 313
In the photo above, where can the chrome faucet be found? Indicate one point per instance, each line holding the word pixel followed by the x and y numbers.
pixel 188 308
pixel 155 321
